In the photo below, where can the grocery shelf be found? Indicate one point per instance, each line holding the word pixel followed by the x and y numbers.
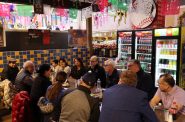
pixel 167 68
pixel 144 44
pixel 144 53
pixel 167 48
pixel 145 62
pixel 125 44
pixel 174 57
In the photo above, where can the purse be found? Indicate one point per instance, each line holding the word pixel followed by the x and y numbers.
pixel 45 106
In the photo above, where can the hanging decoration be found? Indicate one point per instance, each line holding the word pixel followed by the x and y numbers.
pixel 73 13
pixel 102 4
pixel 61 12
pixel 170 7
pixel 5 10
pixel 24 10
pixel 121 8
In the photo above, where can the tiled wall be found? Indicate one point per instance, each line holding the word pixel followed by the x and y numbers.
pixel 44 56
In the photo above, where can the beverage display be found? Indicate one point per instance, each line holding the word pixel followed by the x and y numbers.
pixel 143 49
pixel 104 44
pixel 166 57
pixel 124 48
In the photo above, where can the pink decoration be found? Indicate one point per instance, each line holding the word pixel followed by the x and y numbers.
pixel 170 7
pixel 61 12
pixel 5 10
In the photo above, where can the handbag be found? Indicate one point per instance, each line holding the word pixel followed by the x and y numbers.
pixel 45 105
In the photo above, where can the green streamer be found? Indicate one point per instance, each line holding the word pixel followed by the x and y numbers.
pixel 24 10
pixel 73 13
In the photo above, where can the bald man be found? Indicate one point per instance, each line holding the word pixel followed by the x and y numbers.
pixel 24 79
pixel 99 71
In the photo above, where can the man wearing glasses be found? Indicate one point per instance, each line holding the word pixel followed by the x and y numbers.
pixel 145 81
pixel 11 71
pixel 172 97
pixel 98 70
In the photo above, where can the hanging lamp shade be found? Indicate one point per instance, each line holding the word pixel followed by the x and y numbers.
pixel 24 10
pixel 73 13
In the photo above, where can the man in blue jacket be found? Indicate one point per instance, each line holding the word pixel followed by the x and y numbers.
pixel 124 103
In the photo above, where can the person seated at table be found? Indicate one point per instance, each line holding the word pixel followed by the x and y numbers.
pixel 112 74
pixel 100 72
pixel 64 66
pixel 55 66
pixel 125 103
pixel 11 71
pixel 169 94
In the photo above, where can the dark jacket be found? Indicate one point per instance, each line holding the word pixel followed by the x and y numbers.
pixel 77 74
pixel 24 81
pixel 100 74
pixel 39 87
pixel 112 79
pixel 9 73
pixel 122 103
pixel 145 83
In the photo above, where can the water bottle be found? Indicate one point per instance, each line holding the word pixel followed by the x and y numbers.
pixel 98 86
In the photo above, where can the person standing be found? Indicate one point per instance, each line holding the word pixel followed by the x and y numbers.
pixel 125 103
pixel 98 70
pixel 112 74
pixel 145 82
pixel 11 71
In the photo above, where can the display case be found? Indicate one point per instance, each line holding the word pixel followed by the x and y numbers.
pixel 104 44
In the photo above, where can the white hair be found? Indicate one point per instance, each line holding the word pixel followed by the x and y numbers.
pixel 27 64
pixel 110 62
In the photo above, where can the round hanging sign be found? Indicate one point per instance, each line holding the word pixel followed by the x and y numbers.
pixel 142 13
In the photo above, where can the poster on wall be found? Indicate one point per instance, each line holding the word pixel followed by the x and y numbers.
pixel 77 38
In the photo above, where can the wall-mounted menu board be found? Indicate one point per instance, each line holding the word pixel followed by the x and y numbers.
pixel 20 40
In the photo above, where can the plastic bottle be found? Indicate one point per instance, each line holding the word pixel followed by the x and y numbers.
pixel 98 86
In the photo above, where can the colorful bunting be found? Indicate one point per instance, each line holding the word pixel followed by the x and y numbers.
pixel 4 10
pixel 170 7
pixel 24 10
pixel 73 13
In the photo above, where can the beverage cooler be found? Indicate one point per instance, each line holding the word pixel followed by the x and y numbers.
pixel 143 49
pixel 125 48
pixel 168 52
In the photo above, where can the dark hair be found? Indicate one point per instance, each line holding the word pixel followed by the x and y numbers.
pixel 43 68
pixel 62 59
pixel 80 60
pixel 55 90
pixel 137 62
pixel 55 61
pixel 168 79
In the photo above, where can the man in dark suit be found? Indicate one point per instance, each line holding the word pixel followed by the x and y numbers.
pixel 124 103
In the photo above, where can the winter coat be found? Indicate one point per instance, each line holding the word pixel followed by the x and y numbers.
pixel 21 108
pixel 7 99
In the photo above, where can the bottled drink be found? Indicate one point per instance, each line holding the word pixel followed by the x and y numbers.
pixel 98 86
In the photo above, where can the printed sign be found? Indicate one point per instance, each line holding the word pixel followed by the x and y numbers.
pixel 142 13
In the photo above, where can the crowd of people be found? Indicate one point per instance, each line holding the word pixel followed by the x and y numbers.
pixel 129 95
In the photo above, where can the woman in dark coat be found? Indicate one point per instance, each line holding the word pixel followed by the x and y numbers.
pixel 39 89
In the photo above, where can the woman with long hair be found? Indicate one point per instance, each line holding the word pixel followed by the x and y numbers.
pixel 78 70
pixel 54 94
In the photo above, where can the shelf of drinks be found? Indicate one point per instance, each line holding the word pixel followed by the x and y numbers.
pixel 125 44
pixel 169 48
pixel 125 53
pixel 143 53
pixel 145 62
pixel 167 67
pixel 168 57
pixel 144 44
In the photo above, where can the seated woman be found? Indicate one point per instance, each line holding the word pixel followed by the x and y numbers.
pixel 64 66
pixel 54 94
